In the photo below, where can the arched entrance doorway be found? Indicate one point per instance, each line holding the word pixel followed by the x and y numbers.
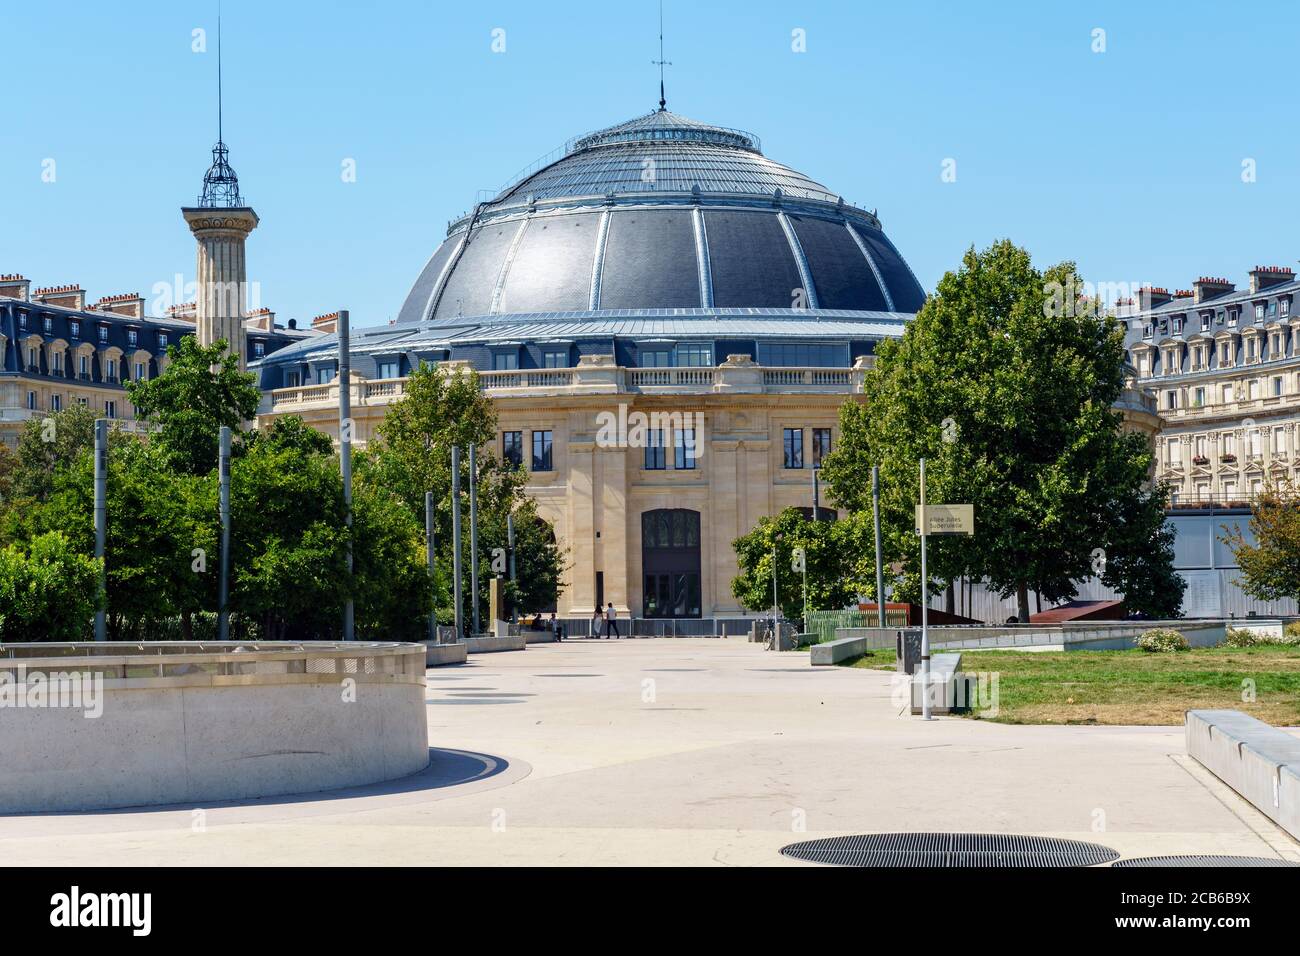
pixel 670 563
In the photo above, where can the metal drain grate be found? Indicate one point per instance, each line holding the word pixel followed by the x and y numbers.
pixel 950 850
pixel 1202 860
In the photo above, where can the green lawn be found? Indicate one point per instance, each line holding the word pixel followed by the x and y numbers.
pixel 1134 687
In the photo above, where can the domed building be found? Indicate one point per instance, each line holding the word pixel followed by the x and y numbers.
pixel 667 322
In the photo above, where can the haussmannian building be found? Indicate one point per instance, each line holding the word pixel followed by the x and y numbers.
pixel 1224 366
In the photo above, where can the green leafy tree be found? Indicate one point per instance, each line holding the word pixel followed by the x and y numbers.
pixel 201 390
pixel 1005 383
pixel 289 542
pixel 47 444
pixel 156 521
pixel 411 454
pixel 48 591
pixel 1270 565
pixel 826 557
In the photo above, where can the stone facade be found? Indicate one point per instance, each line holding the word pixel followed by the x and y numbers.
pixel 598 488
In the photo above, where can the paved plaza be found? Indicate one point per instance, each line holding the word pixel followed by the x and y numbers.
pixel 687 752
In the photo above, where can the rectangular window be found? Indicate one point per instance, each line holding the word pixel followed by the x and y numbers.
pixel 131 337
pixel 48 324
pixel 694 355
pixel 33 360
pixel 821 445
pixel 793 447
pixel 324 376
pixel 1279 441
pixel 1227 394
pixel 22 321
pixel 512 448
pixel 542 451
pixel 31 400
pixel 56 403
pixel 656 358
pixel 1172 455
pixel 1259 311
pixel 555 358
pixel 259 349
pixel 684 450
pixel 802 355
pixel 74 330
pixel 1277 385
pixel 58 363
pixel 110 409
pixel 1252 389
pixel 386 369
pixel 291 379
pixel 103 333
pixel 140 371
pixel 162 341
pixel 1171 399
pixel 655 453
pixel 1198 397
pixel 505 361
pixel 1285 307
pixel 110 369
pixel 84 370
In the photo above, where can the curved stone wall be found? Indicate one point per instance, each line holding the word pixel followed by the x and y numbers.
pixel 96 726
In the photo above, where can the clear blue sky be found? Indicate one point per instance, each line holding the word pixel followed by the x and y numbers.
pixel 1128 161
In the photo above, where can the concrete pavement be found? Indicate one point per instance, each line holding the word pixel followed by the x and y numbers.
pixel 687 751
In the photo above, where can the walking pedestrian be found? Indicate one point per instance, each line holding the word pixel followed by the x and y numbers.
pixel 611 622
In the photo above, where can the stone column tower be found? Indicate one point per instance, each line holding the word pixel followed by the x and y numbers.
pixel 221 223
pixel 221 273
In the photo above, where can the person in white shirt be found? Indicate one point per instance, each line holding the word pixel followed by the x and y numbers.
pixel 611 622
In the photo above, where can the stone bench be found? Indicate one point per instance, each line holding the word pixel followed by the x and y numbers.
pixel 945 673
pixel 489 644
pixel 436 655
pixel 1260 762
pixel 843 649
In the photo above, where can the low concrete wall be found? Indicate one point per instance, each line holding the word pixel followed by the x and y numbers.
pixel 843 649
pixel 1267 627
pixel 193 723
pixel 1260 762
pixel 490 645
pixel 436 655
pixel 537 637
pixel 1084 636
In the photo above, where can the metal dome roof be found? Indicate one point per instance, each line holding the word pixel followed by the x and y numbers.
pixel 662 212
pixel 662 152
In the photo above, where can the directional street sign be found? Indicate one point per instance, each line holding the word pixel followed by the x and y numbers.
pixel 945 519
